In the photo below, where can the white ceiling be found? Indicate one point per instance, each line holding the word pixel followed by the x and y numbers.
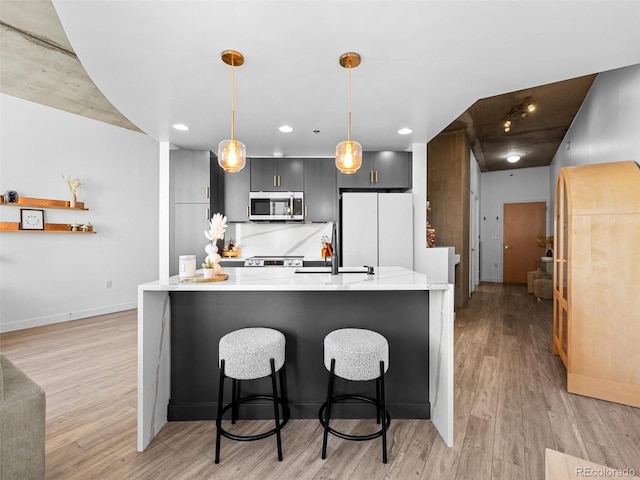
pixel 423 63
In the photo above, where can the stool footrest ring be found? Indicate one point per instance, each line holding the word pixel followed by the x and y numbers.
pixel 260 436
pixel 346 436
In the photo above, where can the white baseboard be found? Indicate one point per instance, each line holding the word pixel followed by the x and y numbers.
pixel 491 280
pixel 64 317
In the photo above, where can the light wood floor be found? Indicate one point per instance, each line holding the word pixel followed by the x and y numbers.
pixel 511 403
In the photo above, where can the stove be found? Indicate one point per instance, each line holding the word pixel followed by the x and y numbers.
pixel 282 261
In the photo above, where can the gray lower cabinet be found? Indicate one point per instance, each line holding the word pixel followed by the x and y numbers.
pixel 236 194
pixel 380 170
pixel 320 190
pixel 277 174
pixel 188 233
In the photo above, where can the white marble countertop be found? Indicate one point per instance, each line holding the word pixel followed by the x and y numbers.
pixel 277 278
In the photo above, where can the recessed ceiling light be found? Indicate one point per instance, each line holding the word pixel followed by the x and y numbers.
pixel 405 131
pixel 180 126
pixel 513 158
pixel 286 129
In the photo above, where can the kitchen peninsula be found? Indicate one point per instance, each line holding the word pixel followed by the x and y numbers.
pixel 180 324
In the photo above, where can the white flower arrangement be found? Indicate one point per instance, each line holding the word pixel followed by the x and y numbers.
pixel 217 227
pixel 73 183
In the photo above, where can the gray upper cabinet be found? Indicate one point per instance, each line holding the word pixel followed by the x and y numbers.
pixel 380 170
pixel 236 193
pixel 320 190
pixel 194 197
pixel 191 174
pixel 277 174
pixel 392 169
pixel 362 178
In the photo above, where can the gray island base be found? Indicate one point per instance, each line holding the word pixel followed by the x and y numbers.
pixel 200 319
pixel 180 324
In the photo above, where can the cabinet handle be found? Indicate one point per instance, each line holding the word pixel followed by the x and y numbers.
pixel 376 176
pixel 274 181
pixel 247 210
pixel 207 213
pixel 371 176
pixel 306 211
pixel 206 191
pixel 278 180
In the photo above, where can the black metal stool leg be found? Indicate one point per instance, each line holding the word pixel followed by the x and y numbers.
pixel 275 408
pixel 378 401
pixel 219 417
pixel 329 396
pixel 384 414
pixel 235 395
pixel 283 386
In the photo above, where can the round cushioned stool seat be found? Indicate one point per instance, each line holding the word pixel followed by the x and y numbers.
pixel 247 352
pixel 358 353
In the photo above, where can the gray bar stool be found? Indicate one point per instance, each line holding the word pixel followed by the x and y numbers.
pixel 249 354
pixel 356 354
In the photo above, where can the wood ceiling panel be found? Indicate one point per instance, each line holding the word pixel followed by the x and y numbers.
pixel 536 137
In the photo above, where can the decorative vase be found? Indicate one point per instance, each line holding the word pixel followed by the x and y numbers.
pixel 72 203
pixel 214 257
pixel 209 272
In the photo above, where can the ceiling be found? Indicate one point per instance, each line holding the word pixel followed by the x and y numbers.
pixel 39 64
pixel 425 65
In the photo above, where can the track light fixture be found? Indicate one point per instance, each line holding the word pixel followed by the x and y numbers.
pixel 519 111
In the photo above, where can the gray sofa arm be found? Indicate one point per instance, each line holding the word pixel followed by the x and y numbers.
pixel 22 424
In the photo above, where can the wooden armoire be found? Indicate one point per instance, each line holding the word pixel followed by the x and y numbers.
pixel 596 280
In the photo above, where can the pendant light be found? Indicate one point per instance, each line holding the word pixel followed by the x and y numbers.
pixel 349 153
pixel 232 154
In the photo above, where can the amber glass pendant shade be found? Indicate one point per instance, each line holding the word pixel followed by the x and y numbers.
pixel 232 155
pixel 348 156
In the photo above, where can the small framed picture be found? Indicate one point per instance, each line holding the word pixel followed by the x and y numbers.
pixel 31 219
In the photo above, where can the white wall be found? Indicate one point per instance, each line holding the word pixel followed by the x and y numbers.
pixel 419 190
pixel 505 186
pixel 607 126
pixel 47 277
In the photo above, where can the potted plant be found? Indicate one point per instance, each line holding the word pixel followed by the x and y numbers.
pixel 546 243
pixel 208 268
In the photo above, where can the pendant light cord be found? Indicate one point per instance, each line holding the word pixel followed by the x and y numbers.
pixel 349 116
pixel 233 110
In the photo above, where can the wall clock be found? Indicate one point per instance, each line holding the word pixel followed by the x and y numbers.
pixel 31 219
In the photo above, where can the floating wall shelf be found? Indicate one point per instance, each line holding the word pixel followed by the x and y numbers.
pixel 26 202
pixel 48 228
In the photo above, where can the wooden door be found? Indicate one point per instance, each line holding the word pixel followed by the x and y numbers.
pixel 523 222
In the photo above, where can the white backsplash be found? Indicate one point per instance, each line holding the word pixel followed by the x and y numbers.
pixel 258 239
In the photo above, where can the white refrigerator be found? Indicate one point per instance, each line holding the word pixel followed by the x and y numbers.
pixel 377 229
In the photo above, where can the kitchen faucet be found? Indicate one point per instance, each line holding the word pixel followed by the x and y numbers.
pixel 334 250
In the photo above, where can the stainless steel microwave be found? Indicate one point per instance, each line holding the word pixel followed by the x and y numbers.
pixel 276 206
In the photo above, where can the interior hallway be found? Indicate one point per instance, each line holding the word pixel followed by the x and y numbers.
pixel 511 404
